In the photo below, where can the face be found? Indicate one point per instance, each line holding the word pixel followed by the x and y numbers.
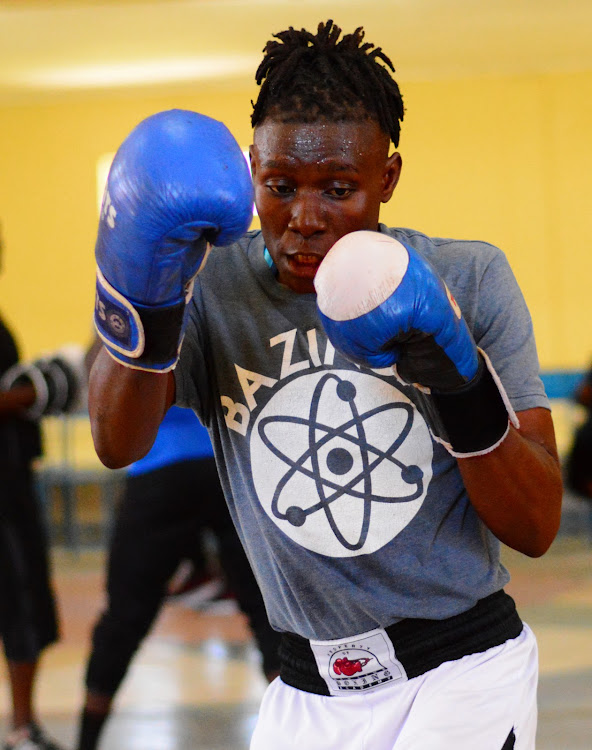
pixel 314 183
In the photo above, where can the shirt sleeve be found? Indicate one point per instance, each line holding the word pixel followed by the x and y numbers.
pixel 191 373
pixel 504 330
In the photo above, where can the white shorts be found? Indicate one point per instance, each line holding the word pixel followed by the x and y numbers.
pixel 479 702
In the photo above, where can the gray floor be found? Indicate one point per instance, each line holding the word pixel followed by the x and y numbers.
pixel 554 595
pixel 565 722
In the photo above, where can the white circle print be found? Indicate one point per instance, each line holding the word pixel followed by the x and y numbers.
pixel 341 461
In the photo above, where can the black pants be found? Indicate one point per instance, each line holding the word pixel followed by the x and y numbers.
pixel 158 524
pixel 27 607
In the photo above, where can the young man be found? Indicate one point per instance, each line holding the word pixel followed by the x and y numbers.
pixel 376 546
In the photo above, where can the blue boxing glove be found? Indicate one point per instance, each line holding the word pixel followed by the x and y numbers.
pixel 178 184
pixel 382 304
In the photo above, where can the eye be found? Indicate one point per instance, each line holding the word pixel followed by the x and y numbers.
pixel 340 191
pixel 279 188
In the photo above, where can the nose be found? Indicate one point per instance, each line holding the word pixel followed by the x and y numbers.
pixel 307 216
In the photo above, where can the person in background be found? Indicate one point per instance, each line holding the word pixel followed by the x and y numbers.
pixel 28 619
pixel 578 465
pixel 170 497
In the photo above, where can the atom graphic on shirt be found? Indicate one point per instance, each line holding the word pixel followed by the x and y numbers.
pixel 339 459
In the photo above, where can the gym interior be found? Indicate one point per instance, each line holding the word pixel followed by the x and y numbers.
pixel 495 146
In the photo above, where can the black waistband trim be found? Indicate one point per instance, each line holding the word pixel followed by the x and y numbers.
pixel 420 644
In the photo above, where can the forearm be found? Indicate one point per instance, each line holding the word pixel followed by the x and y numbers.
pixel 400 313
pixel 517 490
pixel 126 408
pixel 584 395
pixel 14 402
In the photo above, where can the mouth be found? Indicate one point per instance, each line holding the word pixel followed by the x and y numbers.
pixel 304 263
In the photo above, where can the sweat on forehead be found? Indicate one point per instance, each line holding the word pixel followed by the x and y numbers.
pixel 323 139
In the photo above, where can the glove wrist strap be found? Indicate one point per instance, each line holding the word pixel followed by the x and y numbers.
pixel 476 418
pixel 138 336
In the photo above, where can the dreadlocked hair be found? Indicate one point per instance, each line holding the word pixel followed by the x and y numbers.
pixel 305 77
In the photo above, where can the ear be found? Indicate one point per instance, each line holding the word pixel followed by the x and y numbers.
pixel 252 160
pixel 391 174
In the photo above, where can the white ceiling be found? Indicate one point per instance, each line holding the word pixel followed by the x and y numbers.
pixel 68 47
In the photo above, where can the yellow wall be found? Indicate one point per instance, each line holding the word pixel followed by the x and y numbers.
pixel 508 160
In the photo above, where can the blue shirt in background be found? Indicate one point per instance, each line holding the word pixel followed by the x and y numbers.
pixel 181 437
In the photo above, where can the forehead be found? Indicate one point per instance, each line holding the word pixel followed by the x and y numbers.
pixel 347 142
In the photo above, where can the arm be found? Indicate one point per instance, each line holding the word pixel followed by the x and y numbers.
pixel 13 403
pixel 400 313
pixel 583 395
pixel 516 489
pixel 126 408
pixel 53 384
pixel 178 183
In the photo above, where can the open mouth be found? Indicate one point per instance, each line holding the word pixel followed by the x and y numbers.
pixel 304 262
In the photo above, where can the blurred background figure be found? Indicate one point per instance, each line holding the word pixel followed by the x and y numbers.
pixel 171 498
pixel 28 622
pixel 578 469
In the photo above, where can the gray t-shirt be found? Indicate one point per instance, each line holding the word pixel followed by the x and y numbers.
pixel 352 516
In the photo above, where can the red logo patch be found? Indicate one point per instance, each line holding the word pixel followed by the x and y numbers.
pixel 349 668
